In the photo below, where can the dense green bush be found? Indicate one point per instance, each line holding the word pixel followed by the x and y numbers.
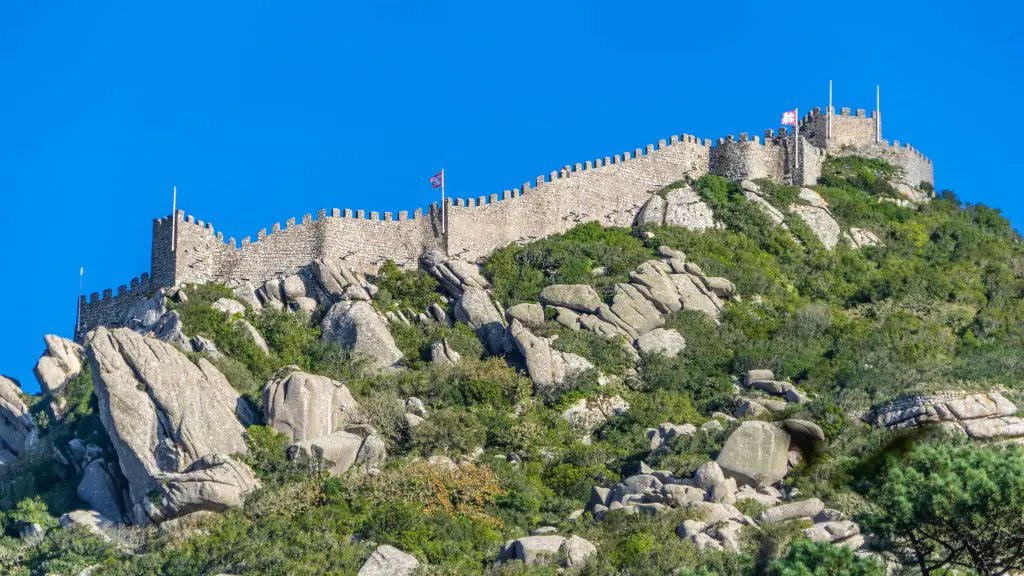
pixel 518 272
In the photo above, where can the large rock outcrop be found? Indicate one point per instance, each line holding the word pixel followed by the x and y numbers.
pixel 756 453
pixel 17 429
pixel 981 415
pixel 214 482
pixel 476 308
pixel 548 368
pixel 307 406
pixel 454 275
pixel 680 207
pixel 61 362
pixel 164 415
pixel 579 297
pixel 355 446
pixel 356 326
pixel 100 490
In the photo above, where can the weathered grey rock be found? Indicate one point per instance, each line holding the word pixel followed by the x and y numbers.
pixel 748 493
pixel 755 453
pixel 476 308
pixel 812 198
pixel 577 550
pixel 694 296
pixel 997 427
pixel 162 412
pixel 98 490
pixel 307 406
pixel 213 483
pixel 804 433
pixel 784 512
pixel 821 223
pixel 293 287
pixel 776 387
pixel 712 512
pixel 169 329
pixel 412 420
pixel 678 495
pixel 770 211
pixel 663 341
pixel 358 327
pixel 343 450
pixel 17 429
pixel 204 345
pixel 533 549
pixel 566 317
pixel 728 533
pixel 270 294
pixel 652 213
pixel 752 376
pixel 690 528
pixel 61 362
pixel 708 475
pixel 548 368
pixel 579 297
pixel 831 531
pixel 89 520
pixel 228 306
pixel 654 275
pixel 722 287
pixel 250 332
pixel 530 314
pixel 454 275
pixel 142 315
pixel 666 431
pixel 389 561
pixel 338 282
pixel 680 207
pixel 414 405
pixel 598 495
pixel 443 354
pixel 863 238
pixel 587 414
pixel 750 408
pixel 305 305
pixel 245 293
pixel 631 311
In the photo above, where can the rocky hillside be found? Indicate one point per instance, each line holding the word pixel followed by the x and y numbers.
pixel 756 379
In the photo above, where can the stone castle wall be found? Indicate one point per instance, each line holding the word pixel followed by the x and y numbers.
pixel 609 190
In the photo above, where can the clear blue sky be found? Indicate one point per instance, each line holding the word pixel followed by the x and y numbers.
pixel 259 111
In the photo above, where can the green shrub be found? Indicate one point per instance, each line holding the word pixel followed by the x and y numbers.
pixel 519 272
pixel 448 432
pixel 404 289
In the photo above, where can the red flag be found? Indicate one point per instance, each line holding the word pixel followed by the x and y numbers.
pixel 789 117
pixel 437 180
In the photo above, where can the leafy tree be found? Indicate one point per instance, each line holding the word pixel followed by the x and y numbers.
pixel 953 506
pixel 806 558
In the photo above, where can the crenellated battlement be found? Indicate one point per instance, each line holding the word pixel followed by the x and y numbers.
pixel 582 168
pixel 609 190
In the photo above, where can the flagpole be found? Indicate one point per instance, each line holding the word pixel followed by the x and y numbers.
pixel 829 133
pixel 78 312
pixel 796 133
pixel 444 208
pixel 878 113
pixel 174 218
